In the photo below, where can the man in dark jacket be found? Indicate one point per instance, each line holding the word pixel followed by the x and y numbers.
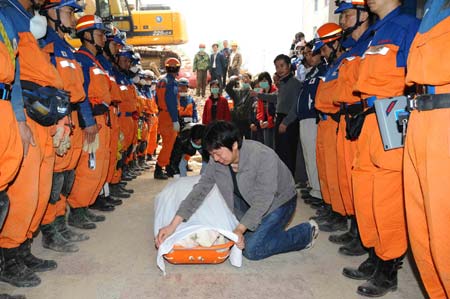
pixel 217 65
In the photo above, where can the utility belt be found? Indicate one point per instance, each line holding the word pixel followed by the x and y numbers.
pixel 355 116
pixel 100 109
pixel 427 102
pixel 45 104
pixel 5 92
pixel 334 116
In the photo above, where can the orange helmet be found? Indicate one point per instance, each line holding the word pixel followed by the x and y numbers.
pixel 172 65
pixel 328 32
pixel 89 22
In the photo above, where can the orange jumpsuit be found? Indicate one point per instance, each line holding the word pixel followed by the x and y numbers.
pixel 127 107
pixel 153 127
pixel 89 182
pixel 11 151
pixel 326 140
pixel 427 155
pixel 72 77
pixel 377 174
pixel 30 191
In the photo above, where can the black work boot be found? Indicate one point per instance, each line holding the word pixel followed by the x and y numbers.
pixel 383 280
pixel 354 247
pixel 101 204
pixel 93 217
pixel 142 163
pixel 313 200
pixel 365 270
pixel 112 201
pixel 347 236
pixel 78 218
pixel 14 271
pixel 326 215
pixel 116 191
pixel 53 240
pixel 159 173
pixel 66 232
pixel 32 262
pixel 338 222
pixel 123 189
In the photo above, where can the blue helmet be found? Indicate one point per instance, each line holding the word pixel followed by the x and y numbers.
pixel 57 4
pixel 343 5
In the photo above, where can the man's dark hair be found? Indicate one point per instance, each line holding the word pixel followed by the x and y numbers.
pixel 221 134
pixel 198 131
pixel 283 57
pixel 299 36
pixel 215 44
pixel 265 76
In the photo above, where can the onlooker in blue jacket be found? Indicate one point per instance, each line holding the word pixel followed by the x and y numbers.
pixel 217 65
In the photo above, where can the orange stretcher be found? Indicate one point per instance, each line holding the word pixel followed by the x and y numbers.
pixel 215 254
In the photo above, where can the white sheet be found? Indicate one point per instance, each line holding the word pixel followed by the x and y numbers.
pixel 212 214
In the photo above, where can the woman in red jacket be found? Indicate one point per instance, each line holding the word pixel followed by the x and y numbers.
pixel 216 106
pixel 265 112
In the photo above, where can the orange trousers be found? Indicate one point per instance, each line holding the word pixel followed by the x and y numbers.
pixel 114 144
pixel 128 129
pixel 345 155
pixel 30 191
pixel 89 182
pixel 11 150
pixel 327 164
pixel 168 136
pixel 427 188
pixel 378 193
pixel 152 136
pixel 64 163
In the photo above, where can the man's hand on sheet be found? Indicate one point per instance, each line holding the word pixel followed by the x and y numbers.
pixel 239 231
pixel 167 231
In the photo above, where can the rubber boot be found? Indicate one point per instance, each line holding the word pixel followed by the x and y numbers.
pixel 101 204
pixel 159 173
pixel 66 232
pixel 93 217
pixel 53 240
pixel 354 247
pixel 338 222
pixel 78 218
pixel 14 271
pixel 347 236
pixel 365 270
pixel 383 280
pixel 32 262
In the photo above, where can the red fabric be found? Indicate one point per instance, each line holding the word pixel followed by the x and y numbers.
pixel 223 112
pixel 263 114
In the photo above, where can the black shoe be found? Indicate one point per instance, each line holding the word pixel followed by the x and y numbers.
pixel 53 240
pixel 122 184
pixel 304 191
pixel 14 271
pixel 6 296
pixel 305 195
pixel 126 178
pixel 159 173
pixel 112 201
pixel 311 200
pixel 119 194
pixel 67 233
pixel 78 218
pixel 341 238
pixel 326 209
pixel 353 248
pixel 323 218
pixel 123 189
pixel 338 222
pixel 100 204
pixel 149 157
pixel 94 217
pixel 319 205
pixel 365 270
pixel 384 279
pixel 32 262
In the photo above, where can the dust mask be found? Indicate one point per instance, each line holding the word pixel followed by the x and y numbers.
pixel 38 25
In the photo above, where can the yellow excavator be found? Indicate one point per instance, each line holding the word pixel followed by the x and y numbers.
pixel 151 25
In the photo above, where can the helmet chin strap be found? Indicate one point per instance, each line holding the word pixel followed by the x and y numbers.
pixel 92 42
pixel 358 23
pixel 59 25
pixel 35 5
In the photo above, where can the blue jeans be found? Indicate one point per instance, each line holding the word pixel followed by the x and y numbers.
pixel 183 164
pixel 271 238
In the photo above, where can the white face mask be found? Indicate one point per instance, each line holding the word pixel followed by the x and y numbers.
pixel 134 69
pixel 183 94
pixel 142 82
pixel 136 79
pixel 38 25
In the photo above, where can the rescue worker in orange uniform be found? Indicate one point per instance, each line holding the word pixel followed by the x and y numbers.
pixel 11 145
pixel 55 234
pixel 30 191
pixel 377 174
pixel 108 59
pixel 92 168
pixel 426 157
pixel 328 42
pixel 153 130
pixel 167 99
pixel 355 21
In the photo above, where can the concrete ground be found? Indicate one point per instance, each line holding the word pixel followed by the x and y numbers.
pixel 119 262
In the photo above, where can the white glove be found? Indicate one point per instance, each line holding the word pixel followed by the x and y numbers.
pixel 63 146
pixel 91 147
pixel 176 126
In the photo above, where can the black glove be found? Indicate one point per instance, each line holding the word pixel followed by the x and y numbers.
pixel 4 207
